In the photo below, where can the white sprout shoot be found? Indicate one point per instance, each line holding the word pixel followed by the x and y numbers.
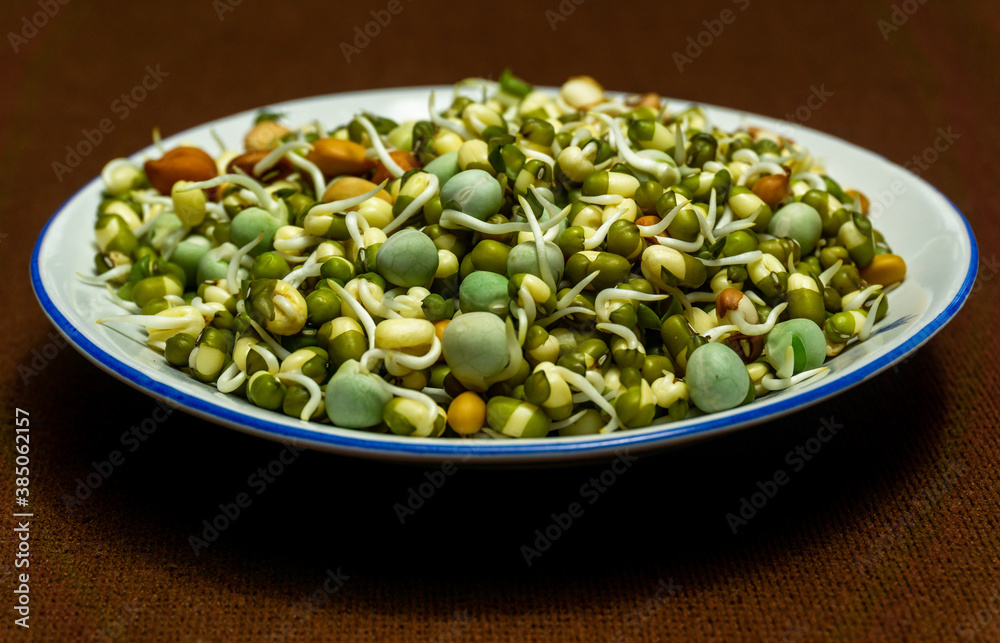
pixel 572 310
pixel 765 167
pixel 278 349
pixel 661 171
pixel 601 234
pixel 264 199
pixel 581 384
pixel 440 121
pixel 606 296
pixel 776 384
pixel 830 273
pixel 742 258
pixel 319 183
pixel 858 300
pixel 866 328
pixel 272 157
pixel 111 275
pixel 359 310
pixel 218 140
pixel 230 379
pixel 232 272
pixel 269 359
pixel 315 394
pixel 415 205
pixel 544 268
pixel 311 268
pixel 352 219
pixel 562 424
pixel 544 158
pixel 813 180
pixel 622 331
pixel 603 199
pixel 121 303
pixel 683 246
pixel 344 204
pixel 376 141
pixel 658 228
pixel 742 224
pixel 527 305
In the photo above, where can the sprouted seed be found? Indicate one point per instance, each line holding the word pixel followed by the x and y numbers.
pixel 516 265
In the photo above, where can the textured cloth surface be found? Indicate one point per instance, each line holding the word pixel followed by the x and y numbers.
pixel 889 532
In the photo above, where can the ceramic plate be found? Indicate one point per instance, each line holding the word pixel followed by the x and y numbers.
pixel 918 221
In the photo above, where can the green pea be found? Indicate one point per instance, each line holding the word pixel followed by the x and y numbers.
pixel 490 255
pixel 323 306
pixel 647 196
pixel 523 258
pixel 355 399
pixel 408 258
pixel 800 222
pixel 155 288
pixel 806 340
pixel 475 345
pixel 517 419
pixel 701 149
pixel 266 391
pixel 178 349
pixel 572 240
pixel 847 280
pixel 655 366
pixel 435 307
pixel 249 223
pixel 716 378
pixel 624 239
pixel 474 192
pixel 187 255
pixel 686 226
pixel 739 242
pixel 269 265
pixel 484 291
pixel 614 269
pixel 155 306
pixel 113 235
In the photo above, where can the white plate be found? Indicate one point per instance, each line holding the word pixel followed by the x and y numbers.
pixel 921 225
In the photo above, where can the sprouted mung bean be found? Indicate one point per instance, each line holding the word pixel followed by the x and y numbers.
pixel 517 265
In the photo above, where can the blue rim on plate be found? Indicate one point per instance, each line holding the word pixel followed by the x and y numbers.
pixel 244 417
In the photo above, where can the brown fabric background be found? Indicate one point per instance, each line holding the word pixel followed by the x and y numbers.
pixel 888 533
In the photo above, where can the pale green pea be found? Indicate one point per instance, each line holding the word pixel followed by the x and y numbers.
pixel 474 192
pixel 798 221
pixel 353 398
pixel 408 258
pixel 716 378
pixel 806 339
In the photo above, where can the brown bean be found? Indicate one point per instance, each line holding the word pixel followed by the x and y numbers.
pixel 405 160
pixel 180 164
pixel 772 189
pixel 244 163
pixel 351 186
pixel 336 157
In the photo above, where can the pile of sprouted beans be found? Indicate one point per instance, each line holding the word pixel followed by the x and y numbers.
pixel 518 264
